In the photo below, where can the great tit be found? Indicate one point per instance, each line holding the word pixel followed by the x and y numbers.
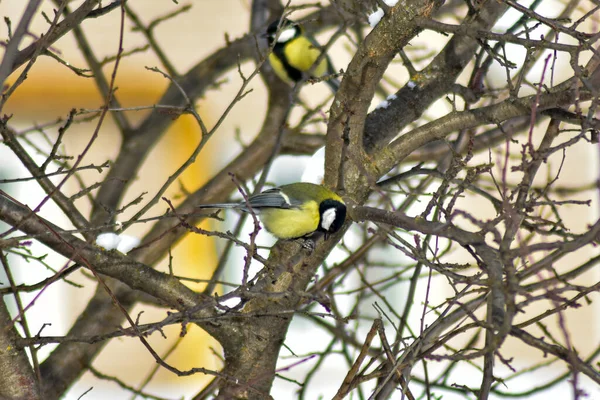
pixel 294 211
pixel 294 54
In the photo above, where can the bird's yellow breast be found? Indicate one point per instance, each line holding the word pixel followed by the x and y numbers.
pixel 291 223
pixel 301 54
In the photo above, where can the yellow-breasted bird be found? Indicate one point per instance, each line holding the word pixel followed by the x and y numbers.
pixel 294 54
pixel 294 211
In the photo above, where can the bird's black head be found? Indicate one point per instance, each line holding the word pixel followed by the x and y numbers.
pixel 288 31
pixel 332 216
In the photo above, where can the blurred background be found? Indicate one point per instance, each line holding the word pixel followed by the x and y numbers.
pixel 52 90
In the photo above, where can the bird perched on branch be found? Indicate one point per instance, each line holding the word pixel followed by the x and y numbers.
pixel 294 54
pixel 293 211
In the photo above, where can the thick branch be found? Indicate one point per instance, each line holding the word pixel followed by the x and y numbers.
pixel 442 127
pixel 352 101
pixel 17 380
pixel 440 76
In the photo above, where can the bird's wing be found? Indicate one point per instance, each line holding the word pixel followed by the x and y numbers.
pixel 272 198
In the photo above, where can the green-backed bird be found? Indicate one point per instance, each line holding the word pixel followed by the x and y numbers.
pixel 294 211
pixel 294 54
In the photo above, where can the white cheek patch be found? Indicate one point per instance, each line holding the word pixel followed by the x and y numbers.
pixel 286 35
pixel 327 218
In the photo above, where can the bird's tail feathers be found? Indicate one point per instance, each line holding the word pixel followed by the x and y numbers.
pixel 221 205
